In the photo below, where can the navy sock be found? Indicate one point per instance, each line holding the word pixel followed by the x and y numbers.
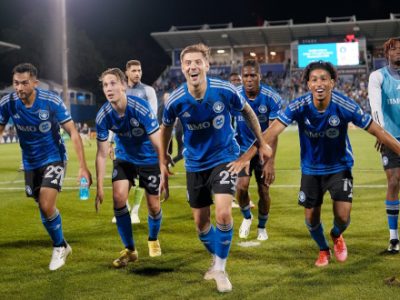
pixel 262 220
pixel 246 212
pixel 338 229
pixel 154 225
pixel 124 227
pixel 317 233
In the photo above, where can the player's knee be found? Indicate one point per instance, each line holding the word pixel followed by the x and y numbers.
pixel 224 217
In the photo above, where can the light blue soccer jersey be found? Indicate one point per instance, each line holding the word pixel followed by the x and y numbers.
pixel 208 133
pixel 38 127
pixel 131 131
pixel 145 92
pixel 324 142
pixel 390 92
pixel 266 106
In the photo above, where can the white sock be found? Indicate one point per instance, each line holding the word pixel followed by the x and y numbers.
pixel 135 209
pixel 219 264
pixel 394 234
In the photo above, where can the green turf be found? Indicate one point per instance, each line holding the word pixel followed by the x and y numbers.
pixel 280 268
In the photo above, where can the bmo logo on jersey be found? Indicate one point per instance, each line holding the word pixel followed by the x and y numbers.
pixel 45 127
pixel 198 126
pixel 330 133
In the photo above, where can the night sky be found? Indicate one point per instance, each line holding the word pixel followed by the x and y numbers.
pixel 129 23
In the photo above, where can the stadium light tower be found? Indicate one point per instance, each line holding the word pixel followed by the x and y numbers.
pixel 64 55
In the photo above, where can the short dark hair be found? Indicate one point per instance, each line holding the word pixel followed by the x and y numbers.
pixel 234 74
pixel 389 44
pixel 324 65
pixel 26 68
pixel 116 72
pixel 133 62
pixel 253 64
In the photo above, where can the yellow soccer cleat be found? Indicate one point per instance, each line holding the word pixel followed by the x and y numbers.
pixel 126 256
pixel 154 248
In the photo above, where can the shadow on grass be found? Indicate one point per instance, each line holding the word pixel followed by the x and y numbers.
pixel 152 271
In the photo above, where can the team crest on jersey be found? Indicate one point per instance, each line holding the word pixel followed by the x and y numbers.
pixel 45 127
pixel 28 190
pixel 262 109
pixel 218 107
pixel 137 131
pixel 334 120
pixel 302 197
pixel 219 121
pixel 43 115
pixel 385 161
pixel 134 122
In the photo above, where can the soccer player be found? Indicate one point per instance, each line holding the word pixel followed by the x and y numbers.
pixel 137 88
pixel 37 115
pixel 204 107
pixel 326 155
pixel 138 141
pixel 266 103
pixel 235 79
pixel 384 97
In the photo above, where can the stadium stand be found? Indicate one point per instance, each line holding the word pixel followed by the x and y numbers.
pixel 277 47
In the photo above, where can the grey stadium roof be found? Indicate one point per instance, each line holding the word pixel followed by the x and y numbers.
pixel 277 33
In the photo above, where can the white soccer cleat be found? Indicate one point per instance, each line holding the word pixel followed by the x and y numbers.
pixel 135 218
pixel 234 204
pixel 221 278
pixel 244 229
pixel 262 234
pixel 59 257
pixel 114 220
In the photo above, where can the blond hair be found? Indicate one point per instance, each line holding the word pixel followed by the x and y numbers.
pixel 201 48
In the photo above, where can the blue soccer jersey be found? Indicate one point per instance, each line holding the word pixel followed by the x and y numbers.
pixel 324 142
pixel 38 127
pixel 266 106
pixel 208 132
pixel 131 131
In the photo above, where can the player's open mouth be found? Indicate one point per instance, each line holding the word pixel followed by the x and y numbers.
pixel 194 76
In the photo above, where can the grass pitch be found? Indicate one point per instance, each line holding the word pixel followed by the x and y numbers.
pixel 279 268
